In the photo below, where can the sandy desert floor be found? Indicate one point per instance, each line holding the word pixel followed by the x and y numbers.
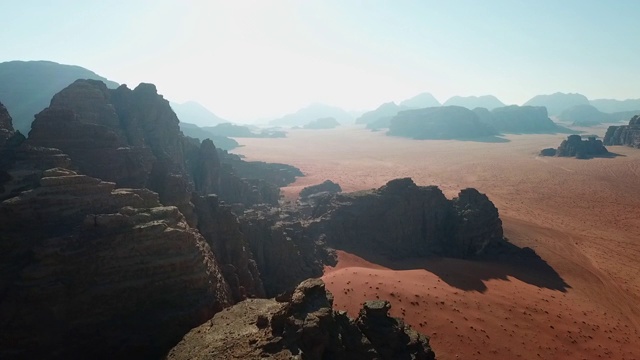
pixel 581 216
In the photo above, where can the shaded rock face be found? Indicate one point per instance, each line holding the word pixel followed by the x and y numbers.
pixel 94 271
pixel 548 152
pixel 447 122
pixel 574 146
pixel 628 135
pixel 304 326
pixel 402 220
pixel 221 228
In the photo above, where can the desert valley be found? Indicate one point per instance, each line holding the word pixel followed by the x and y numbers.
pixel 581 216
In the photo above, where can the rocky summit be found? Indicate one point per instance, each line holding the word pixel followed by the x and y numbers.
pixel 574 146
pixel 304 326
pixel 628 135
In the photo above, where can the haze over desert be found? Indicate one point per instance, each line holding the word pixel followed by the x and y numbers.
pixel 582 217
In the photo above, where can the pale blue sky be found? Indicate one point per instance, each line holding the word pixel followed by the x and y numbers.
pixel 259 59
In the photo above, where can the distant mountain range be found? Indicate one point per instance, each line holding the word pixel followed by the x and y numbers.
pixel 589 115
pixel 194 113
pixel 26 87
pixel 558 102
pixel 311 113
pixel 489 102
pixel 423 100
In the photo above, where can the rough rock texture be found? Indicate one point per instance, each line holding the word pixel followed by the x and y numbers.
pixel 328 187
pixel 446 122
pixel 305 327
pixel 628 135
pixel 548 152
pixel 402 220
pixel 273 173
pixel 574 146
pixel 90 271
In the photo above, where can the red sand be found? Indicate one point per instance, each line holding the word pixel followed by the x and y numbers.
pixel 581 216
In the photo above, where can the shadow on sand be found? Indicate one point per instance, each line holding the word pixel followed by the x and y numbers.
pixel 503 261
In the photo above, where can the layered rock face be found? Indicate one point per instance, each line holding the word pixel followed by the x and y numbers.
pixel 305 326
pixel 628 135
pixel 402 220
pixel 93 271
pixel 574 146
pixel 446 122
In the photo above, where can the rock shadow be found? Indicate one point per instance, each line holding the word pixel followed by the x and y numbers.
pixel 501 261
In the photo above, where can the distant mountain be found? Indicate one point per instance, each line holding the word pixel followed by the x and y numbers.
pixel 516 119
pixel 588 115
pixel 423 100
pixel 558 102
pixel 614 106
pixel 194 131
pixel 26 87
pixel 445 122
pixel 193 113
pixel 386 110
pixel 312 112
pixel 322 123
pixel 471 102
pixel 243 131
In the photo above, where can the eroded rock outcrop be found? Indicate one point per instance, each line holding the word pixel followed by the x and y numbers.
pixel 305 327
pixel 574 146
pixel 6 126
pixel 446 122
pixel 94 271
pixel 402 220
pixel 518 119
pixel 328 187
pixel 628 135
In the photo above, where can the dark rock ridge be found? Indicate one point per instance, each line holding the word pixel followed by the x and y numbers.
pixel 6 126
pixel 326 187
pixel 322 123
pixel 132 138
pixel 26 87
pixel 91 271
pixel 517 119
pixel 471 102
pixel 446 122
pixel 401 220
pixel 574 146
pixel 305 326
pixel 628 135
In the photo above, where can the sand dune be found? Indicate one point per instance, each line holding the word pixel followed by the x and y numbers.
pixel 581 216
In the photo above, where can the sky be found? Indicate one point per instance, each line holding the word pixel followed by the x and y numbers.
pixel 248 60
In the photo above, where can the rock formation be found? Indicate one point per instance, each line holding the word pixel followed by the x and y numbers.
pixel 383 112
pixel 517 119
pixel 574 146
pixel 447 122
pixel 305 326
pixel 327 187
pixel 422 100
pixel 628 135
pixel 588 115
pixel 90 270
pixel 558 102
pixel 402 220
pixel 6 126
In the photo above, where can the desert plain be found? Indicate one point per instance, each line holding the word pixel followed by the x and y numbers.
pixel 582 217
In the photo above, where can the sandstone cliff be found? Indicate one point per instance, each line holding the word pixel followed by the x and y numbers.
pixel 94 271
pixel 446 122
pixel 306 327
pixel 6 126
pixel 628 135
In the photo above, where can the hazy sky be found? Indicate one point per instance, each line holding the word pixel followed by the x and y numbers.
pixel 259 59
